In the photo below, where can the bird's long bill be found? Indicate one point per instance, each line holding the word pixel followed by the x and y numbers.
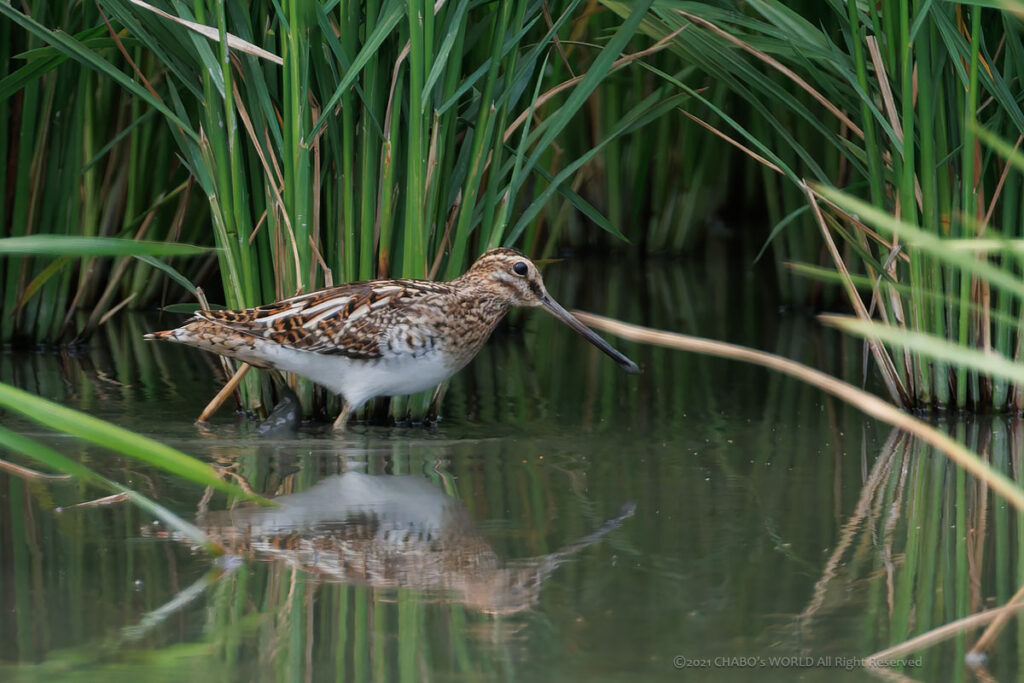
pixel 569 319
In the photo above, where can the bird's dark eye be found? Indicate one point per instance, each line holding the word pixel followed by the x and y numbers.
pixel 521 268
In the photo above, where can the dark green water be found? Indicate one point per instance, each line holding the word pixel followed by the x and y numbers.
pixel 564 521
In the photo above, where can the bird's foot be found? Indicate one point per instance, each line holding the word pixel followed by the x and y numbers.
pixel 342 421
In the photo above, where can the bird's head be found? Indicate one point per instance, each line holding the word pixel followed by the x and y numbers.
pixel 509 276
pixel 515 280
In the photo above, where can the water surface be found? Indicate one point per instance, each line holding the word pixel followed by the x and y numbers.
pixel 563 521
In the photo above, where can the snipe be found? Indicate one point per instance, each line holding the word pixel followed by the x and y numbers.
pixel 382 337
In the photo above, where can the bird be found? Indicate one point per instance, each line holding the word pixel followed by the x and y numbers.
pixel 382 337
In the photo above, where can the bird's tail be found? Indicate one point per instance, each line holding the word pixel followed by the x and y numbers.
pixel 165 335
pixel 217 338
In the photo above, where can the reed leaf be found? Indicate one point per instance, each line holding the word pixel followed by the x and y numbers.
pixel 81 53
pixel 118 439
pixel 47 456
pixel 892 98
pixel 72 245
pixel 931 346
pixel 864 401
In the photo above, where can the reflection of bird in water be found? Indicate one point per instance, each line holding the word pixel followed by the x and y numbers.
pixel 391 531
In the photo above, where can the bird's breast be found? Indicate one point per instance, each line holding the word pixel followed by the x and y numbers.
pixel 396 375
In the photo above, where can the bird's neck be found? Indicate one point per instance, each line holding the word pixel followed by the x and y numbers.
pixel 482 304
pixel 472 315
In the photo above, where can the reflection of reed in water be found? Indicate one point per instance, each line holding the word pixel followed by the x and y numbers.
pixel 391 531
pixel 925 545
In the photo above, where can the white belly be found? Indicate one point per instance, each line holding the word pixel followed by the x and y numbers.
pixel 360 380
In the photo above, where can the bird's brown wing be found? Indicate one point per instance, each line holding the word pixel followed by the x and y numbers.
pixel 349 320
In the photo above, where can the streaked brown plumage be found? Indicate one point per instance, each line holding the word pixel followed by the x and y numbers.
pixel 382 337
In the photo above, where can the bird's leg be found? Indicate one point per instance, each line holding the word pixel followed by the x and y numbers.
pixel 435 403
pixel 346 412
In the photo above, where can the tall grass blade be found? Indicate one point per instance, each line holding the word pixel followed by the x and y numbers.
pixel 112 437
pixel 51 458
pixel 868 403
pixel 81 53
pixel 72 245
